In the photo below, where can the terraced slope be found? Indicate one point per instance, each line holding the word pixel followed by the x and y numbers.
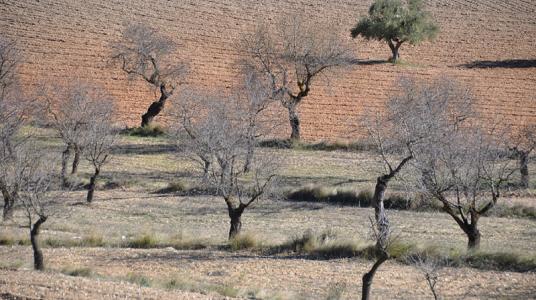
pixel 487 44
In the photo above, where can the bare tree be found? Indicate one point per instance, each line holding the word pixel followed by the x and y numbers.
pixel 71 110
pixel 256 93
pixel 294 55
pixel 461 165
pixel 523 142
pixel 398 133
pixel 219 133
pixel 143 52
pixel 100 138
pixel 34 175
pixel 430 267
pixel 14 111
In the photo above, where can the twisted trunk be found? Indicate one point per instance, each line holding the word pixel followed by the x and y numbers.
pixel 91 187
pixel 369 276
pixel 473 234
pixel 235 214
pixel 37 253
pixel 76 160
pixel 382 224
pixel 294 120
pixel 156 107
pixel 394 49
pixel 524 168
pixel 9 203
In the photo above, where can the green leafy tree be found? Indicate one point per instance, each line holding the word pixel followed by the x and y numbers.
pixel 396 23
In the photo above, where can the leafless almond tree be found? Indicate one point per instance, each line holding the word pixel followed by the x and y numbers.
pixel 145 53
pixel 295 54
pixel 99 140
pixel 219 132
pixel 522 143
pixel 462 165
pixel 34 174
pixel 256 93
pixel 430 266
pixel 14 111
pixel 71 110
pixel 398 133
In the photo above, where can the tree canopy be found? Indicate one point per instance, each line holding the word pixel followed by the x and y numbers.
pixel 396 23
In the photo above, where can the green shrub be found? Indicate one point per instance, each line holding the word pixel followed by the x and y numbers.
pixel 151 130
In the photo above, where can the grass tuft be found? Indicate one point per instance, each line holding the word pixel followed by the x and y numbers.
pixel 78 272
pixel 243 241
pixel 139 279
pixel 7 239
pixel 145 241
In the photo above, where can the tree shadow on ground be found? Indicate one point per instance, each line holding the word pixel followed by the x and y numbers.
pixel 372 62
pixel 144 149
pixel 509 63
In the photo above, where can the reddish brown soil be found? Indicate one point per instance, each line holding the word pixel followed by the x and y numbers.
pixel 65 39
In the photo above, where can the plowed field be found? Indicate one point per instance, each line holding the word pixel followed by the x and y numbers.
pixel 487 44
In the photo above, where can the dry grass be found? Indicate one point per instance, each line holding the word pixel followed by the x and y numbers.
pixel 188 230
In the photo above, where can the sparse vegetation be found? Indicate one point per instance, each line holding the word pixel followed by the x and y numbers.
pixel 158 223
pixel 151 130
pixel 78 272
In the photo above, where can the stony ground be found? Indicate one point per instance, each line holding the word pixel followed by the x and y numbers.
pixel 127 207
pixel 265 277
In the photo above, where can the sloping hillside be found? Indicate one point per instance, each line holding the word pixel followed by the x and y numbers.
pixel 487 44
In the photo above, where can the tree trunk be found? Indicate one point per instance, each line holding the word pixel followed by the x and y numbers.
pixel 249 156
pixel 206 170
pixel 9 203
pixel 34 235
pixel 76 160
pixel 473 235
pixel 369 276
pixel 64 161
pixel 91 187
pixel 524 168
pixel 156 107
pixel 294 119
pixel 236 223
pixel 394 50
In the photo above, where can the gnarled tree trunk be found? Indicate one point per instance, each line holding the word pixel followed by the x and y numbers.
pixel 76 160
pixel 369 276
pixel 235 214
pixel 9 203
pixel 156 107
pixel 524 168
pixel 37 253
pixel 394 50
pixel 294 119
pixel 91 187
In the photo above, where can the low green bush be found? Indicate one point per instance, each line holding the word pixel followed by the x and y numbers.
pixel 151 130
